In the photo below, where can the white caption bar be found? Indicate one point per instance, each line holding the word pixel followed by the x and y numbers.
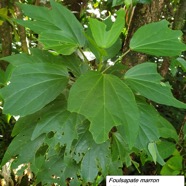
pixel 145 180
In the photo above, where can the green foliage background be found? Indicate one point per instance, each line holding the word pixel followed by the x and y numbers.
pixel 82 119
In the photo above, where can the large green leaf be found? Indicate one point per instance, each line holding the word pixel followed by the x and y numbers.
pixel 107 102
pixel 59 30
pixel 32 86
pixel 144 79
pixel 106 38
pixel 157 39
pixel 59 121
pixel 72 62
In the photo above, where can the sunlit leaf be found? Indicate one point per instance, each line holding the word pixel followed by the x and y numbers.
pixel 173 166
pixel 106 38
pixel 152 149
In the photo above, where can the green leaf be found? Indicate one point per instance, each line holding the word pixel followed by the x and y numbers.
pixel 56 169
pixel 72 62
pixel 173 166
pixel 21 145
pixel 100 53
pixel 117 2
pixel 128 2
pixel 83 143
pixel 25 122
pixel 66 21
pixel 115 168
pixel 97 158
pixel 153 149
pixel 157 39
pixel 166 129
pixel 166 149
pixel 106 38
pixel 61 42
pixel 182 63
pixel 106 102
pixel 41 21
pixel 148 131
pixel 18 59
pixel 37 26
pixel 144 79
pixel 36 56
pixel 120 149
pixel 59 30
pixel 32 87
pixel 59 121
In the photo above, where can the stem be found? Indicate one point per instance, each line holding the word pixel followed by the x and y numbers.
pixel 85 58
pixel 119 59
pixel 123 55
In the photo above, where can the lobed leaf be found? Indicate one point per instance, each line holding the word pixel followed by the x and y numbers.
pixel 59 30
pixel 59 121
pixel 157 39
pixel 106 38
pixel 106 102
pixel 144 79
